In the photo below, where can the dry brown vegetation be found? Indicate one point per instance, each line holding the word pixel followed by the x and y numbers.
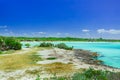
pixel 21 59
pixel 17 61
pixel 58 68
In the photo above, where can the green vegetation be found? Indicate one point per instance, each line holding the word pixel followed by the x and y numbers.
pixel 46 44
pixel 20 59
pixel 89 74
pixel 35 58
pixel 63 46
pixel 1 52
pixel 58 68
pixel 9 43
pixel 65 39
pixel 27 45
pixel 51 58
pixel 8 52
pixel 38 77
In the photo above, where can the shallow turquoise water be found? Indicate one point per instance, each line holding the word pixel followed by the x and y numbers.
pixel 109 51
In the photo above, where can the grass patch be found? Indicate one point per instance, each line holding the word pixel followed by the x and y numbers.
pixel 1 52
pixel 33 72
pixel 18 61
pixel 56 68
pixel 7 52
pixel 51 58
pixel 34 58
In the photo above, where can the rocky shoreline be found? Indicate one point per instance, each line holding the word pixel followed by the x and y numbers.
pixel 78 57
pixel 89 57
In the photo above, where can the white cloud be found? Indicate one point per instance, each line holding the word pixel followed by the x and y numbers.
pixel 101 30
pixel 42 33
pixel 110 31
pixel 37 34
pixel 85 30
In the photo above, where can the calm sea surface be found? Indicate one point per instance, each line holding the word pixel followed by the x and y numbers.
pixel 109 51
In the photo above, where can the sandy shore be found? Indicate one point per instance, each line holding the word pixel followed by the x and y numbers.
pixel 49 56
pixel 67 56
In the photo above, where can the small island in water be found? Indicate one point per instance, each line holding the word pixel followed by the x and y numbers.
pixel 23 58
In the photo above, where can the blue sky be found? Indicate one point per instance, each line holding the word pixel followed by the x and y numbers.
pixel 60 18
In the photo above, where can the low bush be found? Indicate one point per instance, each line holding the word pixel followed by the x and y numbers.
pixel 16 46
pixel 1 52
pixel 60 45
pixel 27 45
pixel 9 43
pixel 46 44
pixel 89 74
pixel 63 46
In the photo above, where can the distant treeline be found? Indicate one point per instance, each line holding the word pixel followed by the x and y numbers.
pixel 65 39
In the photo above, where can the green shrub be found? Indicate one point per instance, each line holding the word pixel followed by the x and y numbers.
pixel 63 46
pixel 55 77
pixel 79 76
pixel 91 74
pixel 1 52
pixel 38 77
pixel 17 46
pixel 95 74
pixel 9 43
pixel 46 44
pixel 27 45
pixel 12 43
pixel 88 74
pixel 51 58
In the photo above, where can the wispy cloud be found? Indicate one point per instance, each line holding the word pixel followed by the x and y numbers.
pixel 37 34
pixel 85 30
pixel 42 33
pixel 110 31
